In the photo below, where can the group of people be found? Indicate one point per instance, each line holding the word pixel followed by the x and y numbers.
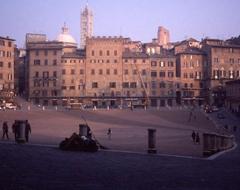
pixel 195 137
pixel 16 130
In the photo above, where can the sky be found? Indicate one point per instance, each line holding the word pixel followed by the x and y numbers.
pixel 137 19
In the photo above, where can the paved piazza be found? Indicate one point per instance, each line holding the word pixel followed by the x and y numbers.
pixel 129 128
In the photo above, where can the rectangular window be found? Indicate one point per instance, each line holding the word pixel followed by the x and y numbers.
pixel 45 52
pixel 153 73
pixel 133 85
pixel 72 71
pixel 94 85
pixel 54 62
pixel 170 74
pixel 1 64
pixel 1 76
pixel 92 72
pixel 100 53
pixel 215 60
pixel 92 52
pixel 37 53
pixel 144 72
pixel 154 84
pixel 72 87
pixel 112 84
pixel 108 52
pixel 162 64
pixel 100 72
pixel 9 64
pixel 153 63
pixel 55 52
pixel 37 62
pixel 45 74
pixel 108 72
pixel 126 60
pixel 125 85
pixel 63 72
pixel 115 72
pixel 162 74
pixel 36 74
pixel 125 72
pixel 54 73
pixel 81 72
pixel 115 52
pixel 9 44
pixel 115 61
pixel 45 62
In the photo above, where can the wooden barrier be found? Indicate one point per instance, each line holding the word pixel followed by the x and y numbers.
pixel 213 143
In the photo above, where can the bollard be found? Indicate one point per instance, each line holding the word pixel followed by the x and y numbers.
pixel 20 131
pixel 152 141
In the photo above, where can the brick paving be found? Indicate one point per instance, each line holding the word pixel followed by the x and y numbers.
pixel 30 167
pixel 129 128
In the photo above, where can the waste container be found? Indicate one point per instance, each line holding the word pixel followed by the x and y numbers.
pixel 20 128
pixel 83 130
pixel 152 141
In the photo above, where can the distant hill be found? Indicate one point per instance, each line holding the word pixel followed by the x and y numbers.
pixel 234 40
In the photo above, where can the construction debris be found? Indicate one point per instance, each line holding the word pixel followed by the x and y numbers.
pixel 79 143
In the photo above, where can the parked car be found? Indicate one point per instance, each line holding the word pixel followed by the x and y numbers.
pixel 215 109
pixel 220 116
pixel 11 106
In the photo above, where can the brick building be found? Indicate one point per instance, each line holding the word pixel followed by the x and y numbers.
pixel 6 67
pixel 223 64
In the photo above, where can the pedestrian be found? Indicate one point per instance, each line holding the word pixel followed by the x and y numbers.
pixel 194 136
pixel 5 130
pixel 15 130
pixel 197 138
pixel 190 116
pixel 27 130
pixel 109 133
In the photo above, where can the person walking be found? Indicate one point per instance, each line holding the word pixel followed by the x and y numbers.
pixel 197 138
pixel 109 133
pixel 194 136
pixel 5 130
pixel 15 130
pixel 27 130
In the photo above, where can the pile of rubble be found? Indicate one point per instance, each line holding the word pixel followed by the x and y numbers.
pixel 79 143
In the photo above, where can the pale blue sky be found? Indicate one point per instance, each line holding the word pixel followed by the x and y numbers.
pixel 137 19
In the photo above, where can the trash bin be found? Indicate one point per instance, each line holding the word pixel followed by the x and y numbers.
pixel 152 141
pixel 83 130
pixel 20 131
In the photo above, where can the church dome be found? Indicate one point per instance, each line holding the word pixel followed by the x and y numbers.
pixel 65 37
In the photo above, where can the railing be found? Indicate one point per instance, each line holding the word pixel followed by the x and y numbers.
pixel 213 143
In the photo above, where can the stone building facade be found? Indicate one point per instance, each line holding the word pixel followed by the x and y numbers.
pixel 6 67
pixel 114 71
pixel 189 70
pixel 223 64
pixel 233 96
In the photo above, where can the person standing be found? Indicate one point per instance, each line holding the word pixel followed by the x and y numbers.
pixel 5 130
pixel 14 130
pixel 197 138
pixel 109 133
pixel 27 130
pixel 194 136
